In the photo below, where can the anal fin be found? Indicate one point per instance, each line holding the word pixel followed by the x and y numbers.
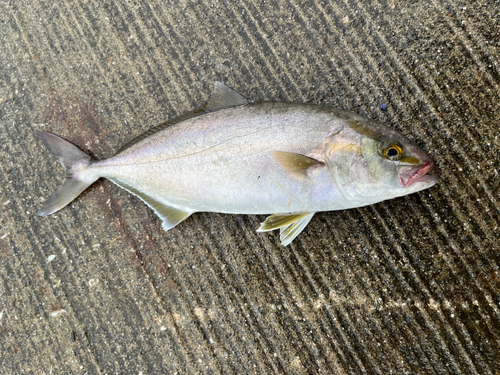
pixel 290 225
pixel 170 216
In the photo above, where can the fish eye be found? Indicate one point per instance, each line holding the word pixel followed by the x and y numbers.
pixel 392 151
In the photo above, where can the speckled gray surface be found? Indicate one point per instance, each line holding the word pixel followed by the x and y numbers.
pixel 410 285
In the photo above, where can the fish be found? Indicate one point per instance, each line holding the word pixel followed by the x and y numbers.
pixel 285 160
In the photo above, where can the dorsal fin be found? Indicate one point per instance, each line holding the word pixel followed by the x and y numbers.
pixel 223 97
pixel 157 128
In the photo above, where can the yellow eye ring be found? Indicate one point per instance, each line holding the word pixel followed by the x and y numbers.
pixel 393 151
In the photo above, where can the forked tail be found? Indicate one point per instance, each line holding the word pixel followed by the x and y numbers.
pixel 74 162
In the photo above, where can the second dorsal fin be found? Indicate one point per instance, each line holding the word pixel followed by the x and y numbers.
pixel 223 97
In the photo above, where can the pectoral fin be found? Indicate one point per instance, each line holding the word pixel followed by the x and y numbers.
pixel 171 216
pixel 290 225
pixel 297 164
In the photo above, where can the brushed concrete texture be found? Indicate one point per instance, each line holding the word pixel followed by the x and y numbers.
pixel 408 286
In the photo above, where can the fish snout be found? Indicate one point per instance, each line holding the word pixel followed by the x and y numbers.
pixel 418 174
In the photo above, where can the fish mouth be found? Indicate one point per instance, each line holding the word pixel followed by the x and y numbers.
pixel 420 175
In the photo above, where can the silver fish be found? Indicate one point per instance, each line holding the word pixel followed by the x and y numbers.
pixel 233 156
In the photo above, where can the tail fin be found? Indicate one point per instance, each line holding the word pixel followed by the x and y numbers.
pixel 69 156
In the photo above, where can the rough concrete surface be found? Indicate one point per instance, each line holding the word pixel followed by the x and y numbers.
pixel 407 286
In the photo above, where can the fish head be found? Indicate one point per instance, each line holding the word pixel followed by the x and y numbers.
pixel 371 162
pixel 398 167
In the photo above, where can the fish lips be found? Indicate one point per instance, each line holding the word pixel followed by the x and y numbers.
pixel 418 174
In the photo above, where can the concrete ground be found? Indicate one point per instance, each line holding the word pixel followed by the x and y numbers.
pixel 407 286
